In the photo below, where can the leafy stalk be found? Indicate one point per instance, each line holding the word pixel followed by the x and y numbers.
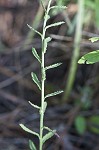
pixel 41 84
pixel 43 79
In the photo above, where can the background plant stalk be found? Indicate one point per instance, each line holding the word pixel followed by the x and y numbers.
pixel 73 66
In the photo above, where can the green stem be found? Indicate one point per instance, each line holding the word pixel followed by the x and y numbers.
pixel 43 79
pixel 42 105
pixel 73 66
pixel 35 25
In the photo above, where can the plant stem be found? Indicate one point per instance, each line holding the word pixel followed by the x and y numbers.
pixel 73 66
pixel 35 24
pixel 42 104
pixel 43 78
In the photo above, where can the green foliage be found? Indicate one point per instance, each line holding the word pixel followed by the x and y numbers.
pixel 80 124
pixel 34 30
pixel 60 6
pixel 92 57
pixel 35 106
pixel 32 145
pixel 48 135
pixel 54 24
pixel 41 84
pixel 94 124
pixel 94 39
pixel 90 4
pixel 76 51
pixel 36 54
pixel 28 130
pixel 93 7
pixel 53 94
pixel 53 66
pixel 36 80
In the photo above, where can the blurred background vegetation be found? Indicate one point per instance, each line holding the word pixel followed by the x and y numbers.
pixel 75 114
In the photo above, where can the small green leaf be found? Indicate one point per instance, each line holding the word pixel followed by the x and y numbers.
pixel 48 39
pixel 45 105
pixel 90 58
pixel 47 128
pixel 48 135
pixel 53 94
pixel 53 66
pixel 35 106
pixel 28 130
pixel 34 30
pixel 35 79
pixel 36 54
pixel 54 24
pixel 94 124
pixel 80 124
pixel 94 39
pixel 58 7
pixel 32 145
